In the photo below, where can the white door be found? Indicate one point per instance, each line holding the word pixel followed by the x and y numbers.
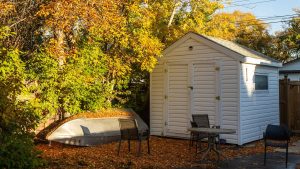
pixel 205 97
pixel 178 98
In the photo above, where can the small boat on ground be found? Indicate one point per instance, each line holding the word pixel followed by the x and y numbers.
pixel 92 131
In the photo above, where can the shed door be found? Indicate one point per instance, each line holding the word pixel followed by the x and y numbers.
pixel 177 119
pixel 205 91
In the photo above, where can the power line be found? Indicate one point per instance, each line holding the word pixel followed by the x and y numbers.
pixel 265 23
pixel 242 1
pixel 270 19
pixel 252 3
pixel 277 16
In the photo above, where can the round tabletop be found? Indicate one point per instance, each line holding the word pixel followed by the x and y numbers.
pixel 212 130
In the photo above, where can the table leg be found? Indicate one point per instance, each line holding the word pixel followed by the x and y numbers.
pixel 211 147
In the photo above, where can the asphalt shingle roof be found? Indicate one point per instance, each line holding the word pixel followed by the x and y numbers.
pixel 243 50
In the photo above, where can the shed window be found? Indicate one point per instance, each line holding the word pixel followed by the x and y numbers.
pixel 261 82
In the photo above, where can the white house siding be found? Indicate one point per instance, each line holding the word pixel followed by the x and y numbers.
pixel 292 66
pixel 229 76
pixel 257 108
pixel 291 76
pixel 157 100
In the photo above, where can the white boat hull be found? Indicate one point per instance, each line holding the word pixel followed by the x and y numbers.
pixel 91 131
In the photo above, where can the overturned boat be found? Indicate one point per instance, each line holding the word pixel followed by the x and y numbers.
pixel 92 131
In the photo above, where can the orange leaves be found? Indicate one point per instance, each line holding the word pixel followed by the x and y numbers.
pixel 165 153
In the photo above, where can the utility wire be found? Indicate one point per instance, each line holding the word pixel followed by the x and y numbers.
pixel 244 5
pixel 264 23
pixel 276 16
pixel 270 19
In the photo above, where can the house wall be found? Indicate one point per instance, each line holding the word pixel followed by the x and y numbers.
pixel 291 76
pixel 257 108
pixel 229 85
pixel 292 66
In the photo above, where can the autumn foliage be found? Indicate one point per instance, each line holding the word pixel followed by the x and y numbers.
pixel 71 56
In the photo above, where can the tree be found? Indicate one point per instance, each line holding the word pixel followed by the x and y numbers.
pixel 17 117
pixel 286 43
pixel 243 28
pixel 123 36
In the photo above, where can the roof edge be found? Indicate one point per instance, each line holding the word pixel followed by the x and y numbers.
pixel 208 42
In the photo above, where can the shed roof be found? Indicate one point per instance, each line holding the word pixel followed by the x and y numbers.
pixel 233 49
pixel 240 48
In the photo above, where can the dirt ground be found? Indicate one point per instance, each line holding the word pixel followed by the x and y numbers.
pixel 165 153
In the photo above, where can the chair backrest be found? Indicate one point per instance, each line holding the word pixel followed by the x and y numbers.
pixel 201 120
pixel 128 128
pixel 194 124
pixel 276 132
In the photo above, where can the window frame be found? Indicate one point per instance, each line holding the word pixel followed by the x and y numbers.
pixel 261 74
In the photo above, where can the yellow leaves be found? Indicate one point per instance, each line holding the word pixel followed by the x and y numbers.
pixel 6 8
pixel 230 25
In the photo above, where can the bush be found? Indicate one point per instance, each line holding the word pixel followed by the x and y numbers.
pixel 18 151
pixel 17 119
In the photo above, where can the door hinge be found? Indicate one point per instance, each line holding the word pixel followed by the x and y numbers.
pixel 218 98
pixel 166 123
pixel 217 68
pixel 166 97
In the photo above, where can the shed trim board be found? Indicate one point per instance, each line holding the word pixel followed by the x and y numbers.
pixel 188 80
pixel 239 106
pixel 209 41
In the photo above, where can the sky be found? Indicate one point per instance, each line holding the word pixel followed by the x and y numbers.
pixel 266 8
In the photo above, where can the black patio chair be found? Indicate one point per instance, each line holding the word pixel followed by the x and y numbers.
pixel 202 120
pixel 196 137
pixel 129 131
pixel 277 136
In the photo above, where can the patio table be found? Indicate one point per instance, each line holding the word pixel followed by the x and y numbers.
pixel 212 134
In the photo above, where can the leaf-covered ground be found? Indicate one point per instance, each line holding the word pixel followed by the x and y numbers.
pixel 165 153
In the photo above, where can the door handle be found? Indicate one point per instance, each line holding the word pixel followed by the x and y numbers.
pixel 191 87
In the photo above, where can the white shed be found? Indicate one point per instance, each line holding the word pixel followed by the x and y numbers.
pixel 291 70
pixel 204 75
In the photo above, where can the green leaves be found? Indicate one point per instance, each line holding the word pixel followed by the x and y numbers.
pixel 17 117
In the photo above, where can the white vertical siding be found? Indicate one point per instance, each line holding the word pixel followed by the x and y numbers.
pixel 178 101
pixel 257 108
pixel 229 84
pixel 157 100
pixel 204 91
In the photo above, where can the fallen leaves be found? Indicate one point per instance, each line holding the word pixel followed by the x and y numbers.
pixel 165 153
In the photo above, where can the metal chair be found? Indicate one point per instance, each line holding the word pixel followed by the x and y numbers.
pixel 277 136
pixel 202 120
pixel 129 131
pixel 196 137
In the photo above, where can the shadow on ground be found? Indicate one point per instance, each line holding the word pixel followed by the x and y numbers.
pixel 274 161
